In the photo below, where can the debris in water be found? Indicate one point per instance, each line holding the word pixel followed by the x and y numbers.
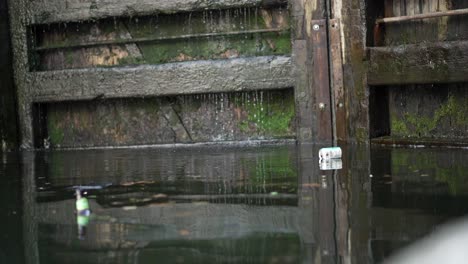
pixel 82 204
pixel 331 164
pixel 82 213
pixel 330 153
pixel 159 196
pixel 274 193
pixel 330 158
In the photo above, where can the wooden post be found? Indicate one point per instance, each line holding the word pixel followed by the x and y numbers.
pixel 354 69
pixel 8 127
pixel 310 59
pixel 338 91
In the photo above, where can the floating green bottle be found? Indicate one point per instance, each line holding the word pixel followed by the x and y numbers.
pixel 82 203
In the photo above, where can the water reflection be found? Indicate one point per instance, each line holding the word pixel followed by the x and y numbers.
pixel 241 205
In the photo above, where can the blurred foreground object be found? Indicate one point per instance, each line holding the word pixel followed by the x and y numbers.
pixel 447 245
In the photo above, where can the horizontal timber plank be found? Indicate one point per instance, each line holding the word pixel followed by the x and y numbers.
pixel 443 62
pixel 245 74
pixel 54 11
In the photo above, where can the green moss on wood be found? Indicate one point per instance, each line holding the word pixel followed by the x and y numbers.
pixel 272 117
pixel 56 133
pixel 362 134
pixel 413 125
pixel 167 26
pixel 214 48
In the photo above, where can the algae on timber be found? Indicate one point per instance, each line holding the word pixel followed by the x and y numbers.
pixel 207 35
pixel 269 117
pixel 410 124
pixel 180 119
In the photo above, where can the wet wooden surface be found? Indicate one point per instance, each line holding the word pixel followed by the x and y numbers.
pixel 321 84
pixel 354 69
pixel 339 100
pixel 56 11
pixel 8 132
pixel 443 62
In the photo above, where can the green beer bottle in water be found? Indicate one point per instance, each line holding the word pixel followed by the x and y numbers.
pixel 82 204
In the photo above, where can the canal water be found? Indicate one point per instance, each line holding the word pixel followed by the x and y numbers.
pixel 256 204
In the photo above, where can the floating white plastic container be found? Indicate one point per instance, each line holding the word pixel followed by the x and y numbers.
pixel 331 164
pixel 330 153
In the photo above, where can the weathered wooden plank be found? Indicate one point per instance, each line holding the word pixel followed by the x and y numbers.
pixel 337 81
pixel 19 42
pixel 53 11
pixel 425 6
pixel 388 8
pixel 167 79
pixel 353 43
pixel 154 39
pixel 397 8
pixel 321 83
pixel 410 7
pixel 302 14
pixel 8 127
pixel 443 62
pixel 400 19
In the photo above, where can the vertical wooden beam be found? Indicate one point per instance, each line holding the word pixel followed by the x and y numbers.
pixel 397 7
pixel 338 92
pixel 8 127
pixel 18 10
pixel 310 59
pixel 389 8
pixel 301 64
pixel 425 6
pixel 321 82
pixel 354 69
pixel 410 8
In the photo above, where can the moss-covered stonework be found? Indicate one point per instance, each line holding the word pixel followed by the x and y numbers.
pixel 220 34
pixel 181 119
pixel 429 111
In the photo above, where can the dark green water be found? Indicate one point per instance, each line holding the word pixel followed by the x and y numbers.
pixel 226 205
